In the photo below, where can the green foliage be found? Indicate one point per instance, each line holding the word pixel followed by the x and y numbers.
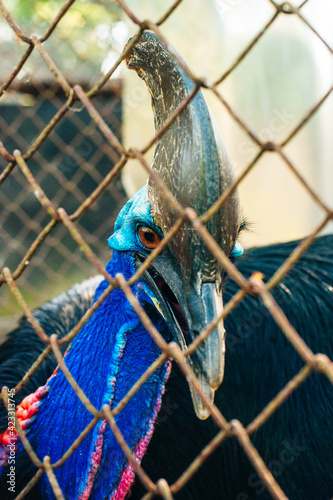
pixel 81 41
pixel 39 13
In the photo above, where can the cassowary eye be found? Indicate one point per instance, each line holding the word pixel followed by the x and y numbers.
pixel 148 237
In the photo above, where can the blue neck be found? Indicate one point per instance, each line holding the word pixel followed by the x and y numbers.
pixel 107 357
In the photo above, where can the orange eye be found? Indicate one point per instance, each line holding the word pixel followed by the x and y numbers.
pixel 149 238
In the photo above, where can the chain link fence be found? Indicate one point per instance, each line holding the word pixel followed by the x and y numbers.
pixel 62 167
pixel 58 221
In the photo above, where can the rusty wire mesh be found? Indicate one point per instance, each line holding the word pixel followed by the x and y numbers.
pixel 62 167
pixel 59 217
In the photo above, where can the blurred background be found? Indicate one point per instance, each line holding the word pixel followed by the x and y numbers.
pixel 278 82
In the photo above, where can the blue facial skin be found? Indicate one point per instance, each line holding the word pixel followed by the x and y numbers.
pixel 237 251
pixel 136 213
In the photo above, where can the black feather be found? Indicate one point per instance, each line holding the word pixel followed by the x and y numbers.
pixel 296 442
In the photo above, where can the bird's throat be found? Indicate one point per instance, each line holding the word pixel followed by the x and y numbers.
pixel 107 357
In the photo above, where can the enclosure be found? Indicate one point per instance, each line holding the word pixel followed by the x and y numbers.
pixel 77 140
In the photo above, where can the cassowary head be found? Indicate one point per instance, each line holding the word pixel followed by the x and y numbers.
pixel 193 162
pixel 181 293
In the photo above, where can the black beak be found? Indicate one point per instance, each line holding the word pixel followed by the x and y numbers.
pixel 188 311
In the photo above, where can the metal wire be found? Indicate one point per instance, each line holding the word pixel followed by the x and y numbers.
pixel 58 216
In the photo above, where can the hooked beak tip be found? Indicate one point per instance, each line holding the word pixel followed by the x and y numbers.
pixel 201 409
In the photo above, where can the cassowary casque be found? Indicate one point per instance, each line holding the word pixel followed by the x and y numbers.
pixel 181 293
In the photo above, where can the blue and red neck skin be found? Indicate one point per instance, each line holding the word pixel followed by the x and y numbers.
pixel 106 358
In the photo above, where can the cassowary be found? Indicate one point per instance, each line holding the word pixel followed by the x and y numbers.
pixel 181 293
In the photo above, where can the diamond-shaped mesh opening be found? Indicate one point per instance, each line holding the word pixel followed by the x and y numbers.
pixel 62 166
